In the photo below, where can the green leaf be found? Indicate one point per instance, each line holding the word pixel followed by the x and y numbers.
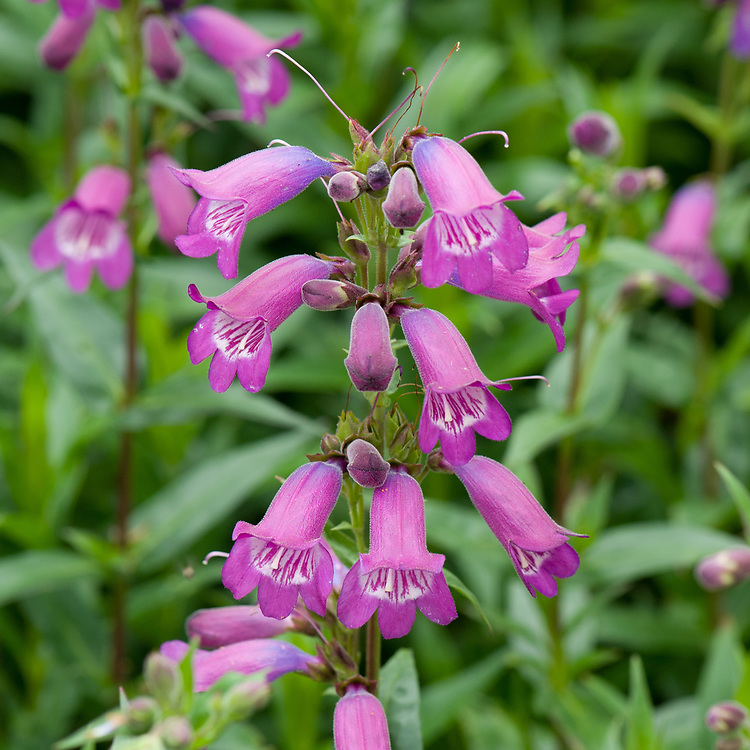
pixel 204 497
pixel 39 571
pixel 627 553
pixel 739 494
pixel 640 728
pixel 398 689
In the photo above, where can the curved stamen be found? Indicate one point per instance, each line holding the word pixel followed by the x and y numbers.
pixel 487 132
pixel 279 142
pixel 408 100
pixel 455 48
pixel 312 78
pixel 211 555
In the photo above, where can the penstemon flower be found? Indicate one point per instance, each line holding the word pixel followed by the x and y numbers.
pixel 359 721
pixel 370 362
pixel 173 202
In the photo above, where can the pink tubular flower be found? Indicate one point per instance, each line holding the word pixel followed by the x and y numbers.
pixel 221 626
pixel 276 658
pixel 284 555
pixel 85 233
pixel 242 190
pixel 535 543
pixel 359 721
pixel 551 255
pixel 724 569
pixel 64 39
pixel 173 202
pixel 470 222
pixel 237 328
pixel 684 237
pixel 398 574
pixel 160 46
pixel 739 42
pixel 457 402
pixel 370 362
pixel 261 81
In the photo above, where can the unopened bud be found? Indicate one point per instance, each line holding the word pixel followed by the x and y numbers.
pixel 365 464
pixel 330 443
pixel 163 679
pixel 176 733
pixel 628 183
pixel 726 716
pixel 221 626
pixel 160 48
pixel 723 569
pixel 370 362
pixel 656 178
pixel 345 187
pixel 354 248
pixel 245 698
pixel 403 207
pixel 142 714
pixel 330 294
pixel 596 133
pixel 378 176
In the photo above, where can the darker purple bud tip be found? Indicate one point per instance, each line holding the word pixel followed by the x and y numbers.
pixel 160 47
pixel 330 294
pixel 345 187
pixel 727 716
pixel 366 466
pixel 378 176
pixel 403 207
pixel 595 132
pixel 724 569
pixel 370 362
pixel 628 184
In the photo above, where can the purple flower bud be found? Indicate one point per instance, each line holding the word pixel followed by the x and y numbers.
pixel 685 238
pixel 596 133
pixel 398 574
pixel 173 201
pixel 727 716
pixel 470 223
pixel 359 722
pixel 378 176
pixel 330 294
pixel 283 555
pixel 723 569
pixel 261 81
pixel 276 658
pixel 220 626
pixel 628 183
pixel 176 732
pixel 457 402
pixel 160 48
pixel 345 187
pixel 85 233
pixel 65 37
pixel 740 39
pixel 237 328
pixel 240 191
pixel 365 464
pixel 370 362
pixel 536 545
pixel 403 207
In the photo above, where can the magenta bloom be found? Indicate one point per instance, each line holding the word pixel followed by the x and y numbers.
pixel 470 221
pixel 240 191
pixel 261 81
pixel 535 543
pixel 370 362
pixel 221 626
pixel 85 233
pixel 276 658
pixel 457 402
pixel 551 255
pixel 398 574
pixel 160 47
pixel 359 721
pixel 283 555
pixel 173 201
pixel 685 238
pixel 237 328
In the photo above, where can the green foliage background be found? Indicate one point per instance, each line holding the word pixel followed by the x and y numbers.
pixel 632 651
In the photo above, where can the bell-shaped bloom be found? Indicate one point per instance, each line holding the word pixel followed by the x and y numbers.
pixel 275 658
pixel 595 132
pixel 173 201
pixel 220 626
pixel 724 569
pixel 398 574
pixel 470 222
pixel 365 465
pixel 242 190
pixel 160 47
pixel 359 721
pixel 65 37
pixel 536 545
pixel 283 555
pixel 261 81
pixel 85 233
pixel 403 207
pixel 685 238
pixel 370 362
pixel 237 328
pixel 457 402
pixel 551 255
